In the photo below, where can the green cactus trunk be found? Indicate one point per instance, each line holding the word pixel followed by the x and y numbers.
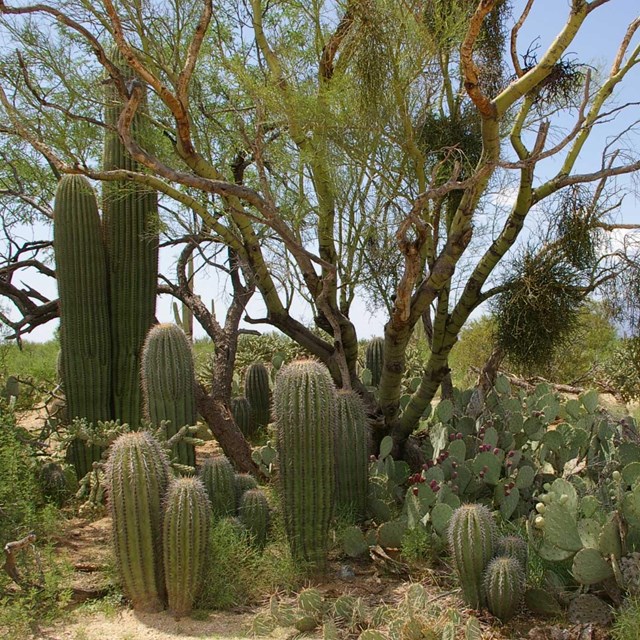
pixel 130 212
pixel 254 514
pixel 305 410
pixel 257 392
pixel 352 455
pixel 244 482
pixel 374 359
pixel 185 533
pixel 504 586
pixel 168 384
pixel 85 338
pixel 137 479
pixel 243 416
pixel 218 478
pixel 471 542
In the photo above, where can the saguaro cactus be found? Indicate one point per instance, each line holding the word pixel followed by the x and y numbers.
pixel 185 531
pixel 352 454
pixel 254 514
pixel 85 339
pixel 219 480
pixel 257 392
pixel 243 416
pixel 504 586
pixel 130 212
pixel 137 479
pixel 305 408
pixel 471 541
pixel 374 359
pixel 168 381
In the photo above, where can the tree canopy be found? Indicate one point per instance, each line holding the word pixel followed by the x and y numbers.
pixel 335 150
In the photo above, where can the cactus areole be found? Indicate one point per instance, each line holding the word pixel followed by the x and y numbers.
pixel 305 410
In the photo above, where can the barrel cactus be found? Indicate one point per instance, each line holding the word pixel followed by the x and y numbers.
pixel 130 215
pixel 218 478
pixel 352 455
pixel 185 532
pixel 254 514
pixel 305 409
pixel 504 586
pixel 243 415
pixel 471 542
pixel 137 478
pixel 514 547
pixel 374 359
pixel 85 336
pixel 258 393
pixel 168 384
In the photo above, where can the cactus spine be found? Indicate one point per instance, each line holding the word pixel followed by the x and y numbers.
pixel 137 479
pixel 254 514
pixel 374 359
pixel 218 478
pixel 471 541
pixel 504 586
pixel 85 339
pixel 130 212
pixel 352 454
pixel 185 532
pixel 243 416
pixel 305 409
pixel 257 392
pixel 168 381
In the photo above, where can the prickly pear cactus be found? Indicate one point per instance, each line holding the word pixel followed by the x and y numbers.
pixel 305 409
pixel 352 455
pixel 137 478
pixel 504 586
pixel 374 359
pixel 130 220
pixel 185 532
pixel 471 541
pixel 254 514
pixel 258 393
pixel 85 334
pixel 243 416
pixel 168 384
pixel 219 480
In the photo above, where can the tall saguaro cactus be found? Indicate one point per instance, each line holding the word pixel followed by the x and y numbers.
pixel 168 381
pixel 137 479
pixel 305 409
pixel 130 213
pixel 352 454
pixel 85 338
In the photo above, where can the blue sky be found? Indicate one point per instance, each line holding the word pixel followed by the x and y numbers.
pixel 596 44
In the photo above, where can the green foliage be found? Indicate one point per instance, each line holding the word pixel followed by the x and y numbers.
pixel 627 621
pixel 539 309
pixel 622 369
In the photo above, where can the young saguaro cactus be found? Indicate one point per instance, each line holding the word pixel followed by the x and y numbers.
pixel 85 337
pixel 305 408
pixel 374 359
pixel 219 480
pixel 258 393
pixel 471 542
pixel 137 478
pixel 254 514
pixel 352 454
pixel 504 586
pixel 130 215
pixel 168 384
pixel 185 532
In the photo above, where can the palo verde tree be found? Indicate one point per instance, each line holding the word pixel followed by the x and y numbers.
pixel 341 149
